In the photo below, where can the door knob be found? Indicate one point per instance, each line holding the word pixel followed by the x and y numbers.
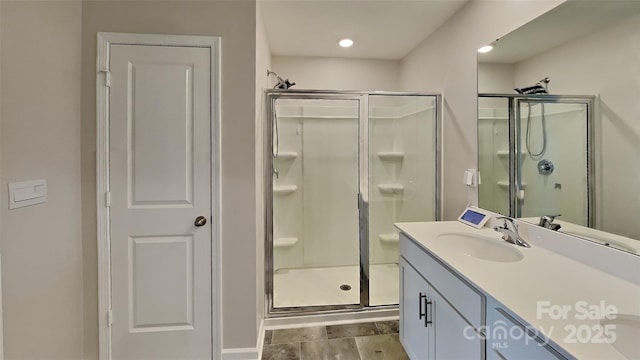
pixel 200 221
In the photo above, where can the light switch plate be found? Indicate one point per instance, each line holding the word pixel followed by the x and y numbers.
pixel 27 193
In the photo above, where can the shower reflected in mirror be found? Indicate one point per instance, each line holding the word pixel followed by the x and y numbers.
pixel 589 175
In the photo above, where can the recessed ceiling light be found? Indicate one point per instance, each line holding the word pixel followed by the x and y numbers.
pixel 345 42
pixel 485 49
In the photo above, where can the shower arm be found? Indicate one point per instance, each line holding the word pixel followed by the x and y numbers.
pixel 269 73
pixel 282 84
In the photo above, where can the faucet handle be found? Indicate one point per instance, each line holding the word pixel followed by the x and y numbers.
pixel 507 221
pixel 506 218
pixel 547 219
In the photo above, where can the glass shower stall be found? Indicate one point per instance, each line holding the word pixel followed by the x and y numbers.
pixel 536 157
pixel 340 169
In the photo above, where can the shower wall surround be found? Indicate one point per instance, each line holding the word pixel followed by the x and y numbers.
pixel 318 175
pixel 317 165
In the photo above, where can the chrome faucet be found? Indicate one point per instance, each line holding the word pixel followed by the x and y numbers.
pixel 546 221
pixel 509 231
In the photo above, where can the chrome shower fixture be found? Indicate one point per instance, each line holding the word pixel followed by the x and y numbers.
pixel 545 82
pixel 282 84
pixel 541 87
pixel 545 167
pixel 532 90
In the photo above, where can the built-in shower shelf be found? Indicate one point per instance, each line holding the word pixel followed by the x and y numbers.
pixel 389 238
pixel 286 155
pixel 284 189
pixel 285 242
pixel 391 188
pixel 391 155
pixel 505 185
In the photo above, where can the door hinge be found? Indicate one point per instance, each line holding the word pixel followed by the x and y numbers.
pixel 107 77
pixel 110 317
pixel 107 199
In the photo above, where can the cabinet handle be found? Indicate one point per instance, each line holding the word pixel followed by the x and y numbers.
pixel 428 319
pixel 422 297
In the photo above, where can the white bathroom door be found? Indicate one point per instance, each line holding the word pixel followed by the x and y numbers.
pixel 160 176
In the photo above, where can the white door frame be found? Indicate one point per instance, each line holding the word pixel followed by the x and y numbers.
pixel 105 40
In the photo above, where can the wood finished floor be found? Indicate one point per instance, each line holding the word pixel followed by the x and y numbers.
pixel 365 341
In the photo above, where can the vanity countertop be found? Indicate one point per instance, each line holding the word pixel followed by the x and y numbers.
pixel 540 276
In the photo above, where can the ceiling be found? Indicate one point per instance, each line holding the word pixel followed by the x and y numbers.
pixel 569 21
pixel 381 29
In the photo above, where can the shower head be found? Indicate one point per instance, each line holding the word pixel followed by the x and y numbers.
pixel 541 87
pixel 545 82
pixel 282 84
pixel 530 90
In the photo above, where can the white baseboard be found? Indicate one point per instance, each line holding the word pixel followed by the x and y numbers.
pixel 261 331
pixel 246 353
pixel 241 354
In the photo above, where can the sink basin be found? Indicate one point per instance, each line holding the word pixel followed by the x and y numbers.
pixel 484 248
pixel 604 241
pixel 627 330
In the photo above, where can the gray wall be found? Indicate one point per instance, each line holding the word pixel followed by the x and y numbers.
pixel 41 245
pixel 327 73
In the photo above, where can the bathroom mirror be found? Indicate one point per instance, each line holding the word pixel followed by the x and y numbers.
pixel 579 50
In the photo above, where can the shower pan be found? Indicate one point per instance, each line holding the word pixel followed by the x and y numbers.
pixel 340 169
pixel 535 155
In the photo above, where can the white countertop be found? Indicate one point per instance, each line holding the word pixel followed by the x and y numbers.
pixel 542 275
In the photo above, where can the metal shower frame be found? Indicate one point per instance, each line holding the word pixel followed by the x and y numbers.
pixel 515 176
pixel 271 95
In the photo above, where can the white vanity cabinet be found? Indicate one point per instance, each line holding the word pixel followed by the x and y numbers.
pixel 439 312
pixel 546 303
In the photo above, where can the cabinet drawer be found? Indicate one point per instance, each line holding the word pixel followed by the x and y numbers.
pixel 517 346
pixel 466 300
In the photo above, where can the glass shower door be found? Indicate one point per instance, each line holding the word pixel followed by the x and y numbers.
pixel 402 181
pixel 553 160
pixel 316 257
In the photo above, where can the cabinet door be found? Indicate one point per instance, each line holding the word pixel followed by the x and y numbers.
pixel 454 337
pixel 414 333
pixel 517 347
